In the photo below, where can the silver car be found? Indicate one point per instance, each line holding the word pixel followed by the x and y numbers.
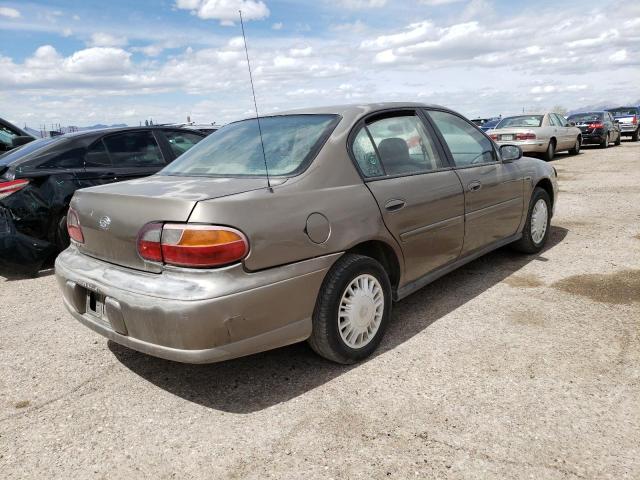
pixel 541 134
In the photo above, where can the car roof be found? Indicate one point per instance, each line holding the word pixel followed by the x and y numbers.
pixel 102 131
pixel 354 109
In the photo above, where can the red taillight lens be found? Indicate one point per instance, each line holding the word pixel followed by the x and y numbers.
pixel 596 125
pixel 187 245
pixel 525 136
pixel 493 136
pixel 73 226
pixel 635 120
pixel 7 188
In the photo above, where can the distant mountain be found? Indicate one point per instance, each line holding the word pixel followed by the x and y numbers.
pixel 600 106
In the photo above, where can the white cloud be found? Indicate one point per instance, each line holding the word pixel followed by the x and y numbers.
pixel 277 26
pixel 101 39
pixel 226 11
pixel 9 12
pixel 301 52
pixel 98 60
pixel 361 4
pixel 619 56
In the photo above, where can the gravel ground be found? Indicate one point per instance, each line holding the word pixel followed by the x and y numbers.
pixel 512 367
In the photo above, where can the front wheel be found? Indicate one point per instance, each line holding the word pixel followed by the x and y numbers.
pixel 536 230
pixel 352 310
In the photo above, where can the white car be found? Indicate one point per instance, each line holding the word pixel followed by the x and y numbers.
pixel 543 134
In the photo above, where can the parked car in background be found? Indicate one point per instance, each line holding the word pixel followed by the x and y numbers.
pixel 597 128
pixel 486 123
pixel 206 128
pixel 38 180
pixel 12 136
pixel 629 119
pixel 542 134
pixel 210 259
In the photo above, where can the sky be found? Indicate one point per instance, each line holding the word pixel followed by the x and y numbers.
pixel 82 62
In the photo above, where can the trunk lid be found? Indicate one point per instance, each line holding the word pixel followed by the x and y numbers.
pixel 112 215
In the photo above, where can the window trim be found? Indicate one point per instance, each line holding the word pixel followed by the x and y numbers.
pixel 445 146
pixel 393 112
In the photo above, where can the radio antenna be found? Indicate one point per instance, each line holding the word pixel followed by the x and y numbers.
pixel 255 103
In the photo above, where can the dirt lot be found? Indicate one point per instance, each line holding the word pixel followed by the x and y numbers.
pixel 512 367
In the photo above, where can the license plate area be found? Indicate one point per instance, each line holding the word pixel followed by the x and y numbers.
pixel 507 137
pixel 95 304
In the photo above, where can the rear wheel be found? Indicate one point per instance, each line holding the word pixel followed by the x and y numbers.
pixel 634 137
pixel 551 151
pixel 619 139
pixel 352 310
pixel 536 230
pixel 576 148
pixel 605 142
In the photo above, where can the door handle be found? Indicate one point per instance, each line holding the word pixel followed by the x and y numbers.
pixel 394 204
pixel 474 186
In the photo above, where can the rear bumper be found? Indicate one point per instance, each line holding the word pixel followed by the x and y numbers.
pixel 191 316
pixel 591 138
pixel 628 129
pixel 528 146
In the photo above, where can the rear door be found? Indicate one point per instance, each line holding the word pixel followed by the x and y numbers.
pixel 493 190
pixel 417 191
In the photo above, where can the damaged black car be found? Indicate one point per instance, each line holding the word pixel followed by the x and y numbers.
pixel 37 181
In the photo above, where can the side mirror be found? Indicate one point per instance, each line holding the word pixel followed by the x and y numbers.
pixel 21 140
pixel 572 124
pixel 509 153
pixel 616 121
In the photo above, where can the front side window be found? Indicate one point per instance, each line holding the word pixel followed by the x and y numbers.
pixel 180 142
pixel 134 149
pixel 290 143
pixel 467 145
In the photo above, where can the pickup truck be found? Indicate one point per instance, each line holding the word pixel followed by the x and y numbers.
pixel 629 119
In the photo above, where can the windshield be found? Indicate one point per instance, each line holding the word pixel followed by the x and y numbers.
pixel 521 121
pixel 586 117
pixel 290 143
pixel 623 111
pixel 27 149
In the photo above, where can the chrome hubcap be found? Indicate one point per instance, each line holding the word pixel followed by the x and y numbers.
pixel 539 218
pixel 361 310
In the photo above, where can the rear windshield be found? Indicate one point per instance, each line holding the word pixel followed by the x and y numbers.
pixel 586 117
pixel 622 111
pixel 521 121
pixel 28 149
pixel 290 143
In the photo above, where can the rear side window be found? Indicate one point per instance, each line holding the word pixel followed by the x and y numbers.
pixel 97 155
pixel 73 158
pixel 181 141
pixel 402 147
pixel 467 145
pixel 134 149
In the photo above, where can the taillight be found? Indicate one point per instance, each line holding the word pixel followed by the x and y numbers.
pixel 525 136
pixel 594 125
pixel 187 245
pixel 493 136
pixel 7 188
pixel 73 226
pixel 635 120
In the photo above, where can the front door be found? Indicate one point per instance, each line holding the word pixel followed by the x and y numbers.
pixel 494 197
pixel 419 194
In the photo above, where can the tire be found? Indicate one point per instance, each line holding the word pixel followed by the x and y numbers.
pixel 61 236
pixel 576 148
pixel 605 142
pixel 634 137
pixel 531 242
pixel 332 322
pixel 551 151
pixel 619 139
